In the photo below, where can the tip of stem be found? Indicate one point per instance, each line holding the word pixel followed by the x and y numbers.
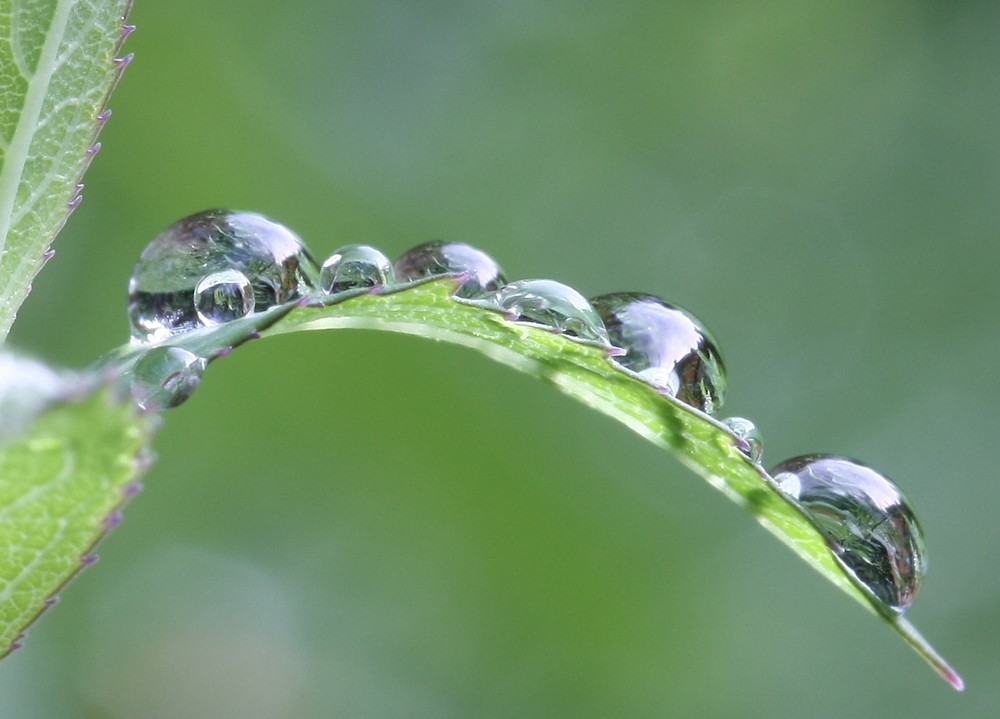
pixel 952 677
pixel 924 649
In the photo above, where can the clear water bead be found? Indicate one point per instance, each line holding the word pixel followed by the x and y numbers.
pixel 222 297
pixel 865 519
pixel 274 260
pixel 165 377
pixel 553 304
pixel 748 437
pixel 355 266
pixel 483 274
pixel 666 346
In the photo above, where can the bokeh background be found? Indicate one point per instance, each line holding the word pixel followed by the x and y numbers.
pixel 353 524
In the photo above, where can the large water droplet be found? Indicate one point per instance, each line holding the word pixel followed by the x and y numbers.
pixel 430 259
pixel 165 377
pixel 162 287
pixel 550 303
pixel 866 520
pixel 355 266
pixel 223 296
pixel 666 346
pixel 748 437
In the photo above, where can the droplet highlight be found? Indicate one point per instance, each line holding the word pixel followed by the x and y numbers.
pixel 355 266
pixel 550 303
pixel 747 437
pixel 431 259
pixel 161 297
pixel 165 377
pixel 665 345
pixel 865 519
pixel 223 297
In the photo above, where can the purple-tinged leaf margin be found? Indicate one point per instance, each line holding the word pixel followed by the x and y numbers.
pixel 59 62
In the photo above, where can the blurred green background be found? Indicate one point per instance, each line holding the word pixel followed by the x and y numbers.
pixel 356 525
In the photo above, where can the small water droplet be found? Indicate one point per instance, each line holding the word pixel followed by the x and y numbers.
pixel 355 266
pixel 866 520
pixel 165 377
pixel 748 437
pixel 441 258
pixel 274 260
pixel 222 297
pixel 666 346
pixel 550 303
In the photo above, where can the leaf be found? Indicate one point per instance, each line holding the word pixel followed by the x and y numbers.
pixel 62 482
pixel 583 371
pixel 57 68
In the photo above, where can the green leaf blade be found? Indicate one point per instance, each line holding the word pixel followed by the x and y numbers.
pixel 61 482
pixel 57 68
pixel 583 371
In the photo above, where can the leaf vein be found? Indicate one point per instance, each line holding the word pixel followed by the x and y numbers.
pixel 65 473
pixel 19 150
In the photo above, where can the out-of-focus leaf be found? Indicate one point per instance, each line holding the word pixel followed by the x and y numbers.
pixel 63 479
pixel 57 68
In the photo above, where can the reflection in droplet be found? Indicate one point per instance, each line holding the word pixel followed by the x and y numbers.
pixel 550 303
pixel 165 377
pixel 866 520
pixel 222 297
pixel 162 287
pixel 355 266
pixel 748 437
pixel 666 346
pixel 431 259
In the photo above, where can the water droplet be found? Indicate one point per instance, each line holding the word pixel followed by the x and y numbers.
pixel 748 438
pixel 355 266
pixel 161 298
pixel 223 297
pixel 550 303
pixel 440 258
pixel 666 346
pixel 866 520
pixel 165 377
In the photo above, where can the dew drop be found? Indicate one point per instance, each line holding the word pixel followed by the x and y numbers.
pixel 865 519
pixel 222 297
pixel 748 438
pixel 271 257
pixel 483 274
pixel 164 377
pixel 355 266
pixel 550 303
pixel 666 346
